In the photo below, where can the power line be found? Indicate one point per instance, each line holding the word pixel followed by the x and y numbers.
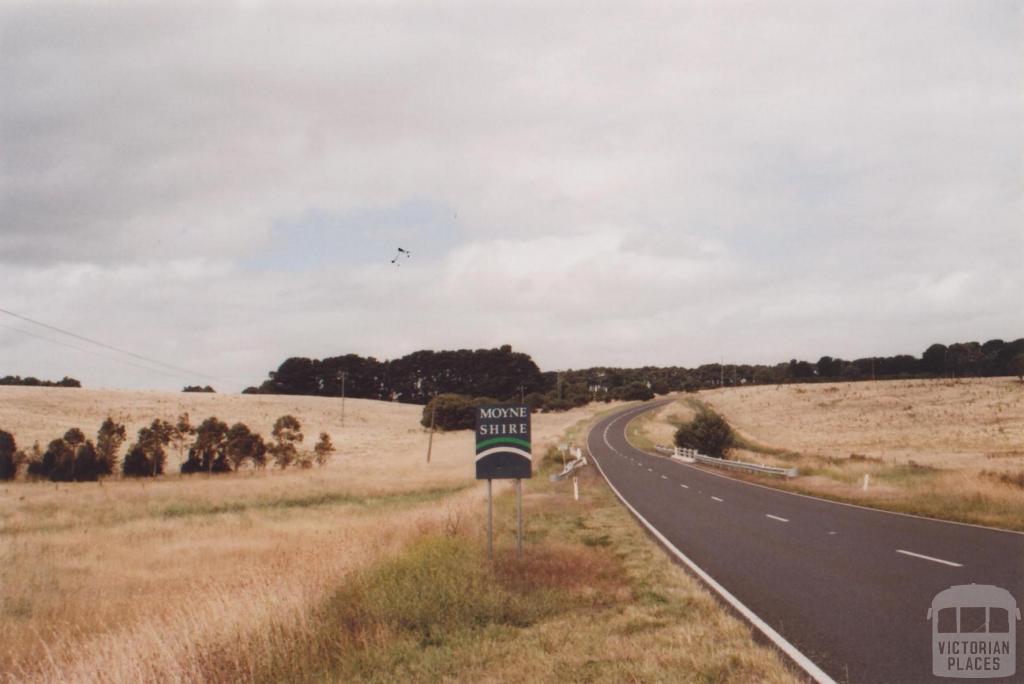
pixel 147 359
pixel 96 354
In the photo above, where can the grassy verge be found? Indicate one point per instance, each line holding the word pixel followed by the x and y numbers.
pixel 638 432
pixel 594 599
pixel 199 507
pixel 342 498
pixel 981 498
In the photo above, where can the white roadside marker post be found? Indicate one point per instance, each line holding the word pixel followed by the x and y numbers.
pixel 867 479
pixel 576 488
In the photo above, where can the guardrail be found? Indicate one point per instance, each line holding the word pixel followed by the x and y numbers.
pixel 691 456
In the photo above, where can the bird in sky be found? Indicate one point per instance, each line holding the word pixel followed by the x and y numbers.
pixel 399 254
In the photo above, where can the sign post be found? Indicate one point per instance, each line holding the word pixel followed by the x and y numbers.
pixel 504 452
pixel 490 522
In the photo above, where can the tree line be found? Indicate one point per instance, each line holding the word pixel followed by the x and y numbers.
pixel 211 447
pixel 30 381
pixel 463 379
pixel 993 358
pixel 413 378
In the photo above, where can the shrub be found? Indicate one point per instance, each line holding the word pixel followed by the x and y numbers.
pixel 708 433
pixel 535 400
pixel 323 449
pixel 554 405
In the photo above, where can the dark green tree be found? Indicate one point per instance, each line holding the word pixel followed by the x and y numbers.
pixel 56 463
pixel 1016 366
pixel 933 361
pixel 209 451
pixel 148 456
pixel 10 457
pixel 634 391
pixel 74 437
pixel 109 439
pixel 182 436
pixel 453 411
pixel 708 433
pixel 87 466
pixel 287 433
pixel 242 444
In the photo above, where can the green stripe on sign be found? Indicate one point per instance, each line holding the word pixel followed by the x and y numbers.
pixel 503 440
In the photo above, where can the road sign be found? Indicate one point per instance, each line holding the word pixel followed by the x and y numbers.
pixel 503 447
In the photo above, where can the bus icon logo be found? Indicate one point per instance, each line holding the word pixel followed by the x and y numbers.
pixel 974 628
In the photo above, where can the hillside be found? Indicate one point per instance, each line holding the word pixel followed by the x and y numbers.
pixel 381 444
pixel 949 449
pixel 975 422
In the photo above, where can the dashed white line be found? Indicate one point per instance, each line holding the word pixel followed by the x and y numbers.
pixel 805 663
pixel 930 558
pixel 650 470
pixel 664 477
pixel 775 517
pixel 685 486
pixel 717 499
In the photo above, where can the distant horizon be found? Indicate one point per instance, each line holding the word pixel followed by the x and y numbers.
pixel 727 362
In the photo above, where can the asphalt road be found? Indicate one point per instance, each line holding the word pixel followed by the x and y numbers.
pixel 848 587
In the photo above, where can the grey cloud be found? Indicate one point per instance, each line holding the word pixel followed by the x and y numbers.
pixel 767 170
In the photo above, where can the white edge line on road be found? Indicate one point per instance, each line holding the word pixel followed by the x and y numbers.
pixel 775 517
pixel 805 663
pixel 930 558
pixel 717 499
pixel 828 501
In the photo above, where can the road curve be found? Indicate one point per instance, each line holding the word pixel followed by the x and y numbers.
pixel 848 588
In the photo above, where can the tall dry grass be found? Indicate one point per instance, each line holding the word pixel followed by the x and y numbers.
pixel 948 449
pixel 124 581
pixel 966 423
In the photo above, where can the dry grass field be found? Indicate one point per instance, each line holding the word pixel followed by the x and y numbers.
pixel 371 568
pixel 945 448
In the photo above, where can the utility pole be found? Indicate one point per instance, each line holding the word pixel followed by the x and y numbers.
pixel 522 395
pixel 344 374
pixel 430 440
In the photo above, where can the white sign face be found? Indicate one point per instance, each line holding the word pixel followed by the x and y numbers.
pixel 563 447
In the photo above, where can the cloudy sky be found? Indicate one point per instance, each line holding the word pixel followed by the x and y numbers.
pixel 222 186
